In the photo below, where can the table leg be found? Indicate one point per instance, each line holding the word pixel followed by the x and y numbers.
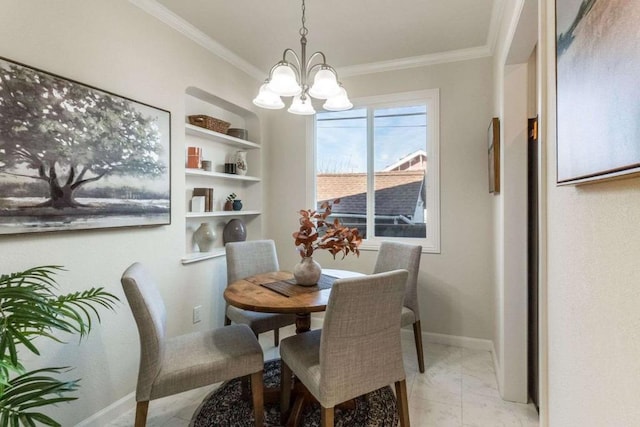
pixel 303 322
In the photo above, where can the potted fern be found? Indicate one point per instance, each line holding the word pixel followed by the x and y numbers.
pixel 29 309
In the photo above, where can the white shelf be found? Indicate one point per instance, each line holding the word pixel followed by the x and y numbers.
pixel 200 172
pixel 201 256
pixel 220 214
pixel 219 137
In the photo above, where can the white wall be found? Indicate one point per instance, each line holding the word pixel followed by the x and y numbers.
pixel 455 286
pixel 117 47
pixel 592 294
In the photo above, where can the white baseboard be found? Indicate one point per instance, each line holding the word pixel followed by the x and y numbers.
pixel 108 414
pixel 455 340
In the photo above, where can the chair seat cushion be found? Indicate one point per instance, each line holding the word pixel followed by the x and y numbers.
pixel 259 322
pixel 301 353
pixel 201 358
pixel 408 317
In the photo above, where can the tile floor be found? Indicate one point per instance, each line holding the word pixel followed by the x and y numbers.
pixel 458 389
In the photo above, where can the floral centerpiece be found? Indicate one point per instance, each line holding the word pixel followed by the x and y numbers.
pixel 317 232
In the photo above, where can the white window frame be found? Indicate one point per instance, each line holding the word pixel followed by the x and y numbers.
pixel 431 97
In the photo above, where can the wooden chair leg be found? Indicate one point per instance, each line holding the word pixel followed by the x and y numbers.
pixel 285 390
pixel 142 408
pixel 276 337
pixel 417 335
pixel 258 398
pixel 227 321
pixel 326 416
pixel 403 403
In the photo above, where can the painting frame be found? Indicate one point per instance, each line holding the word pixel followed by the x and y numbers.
pixel 597 95
pixel 493 133
pixel 77 157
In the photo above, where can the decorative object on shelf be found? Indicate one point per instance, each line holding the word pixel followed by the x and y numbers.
pixel 230 168
pixel 241 162
pixel 210 123
pixel 206 165
pixel 292 79
pixel 238 133
pixel 336 238
pixel 208 197
pixel 198 204
pixel 237 204
pixel 234 231
pixel 204 237
pixel 194 157
pixel 228 204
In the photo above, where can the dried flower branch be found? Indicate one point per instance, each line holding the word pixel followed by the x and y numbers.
pixel 336 238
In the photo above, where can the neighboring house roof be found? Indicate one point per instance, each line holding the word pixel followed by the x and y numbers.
pixel 414 161
pixel 397 192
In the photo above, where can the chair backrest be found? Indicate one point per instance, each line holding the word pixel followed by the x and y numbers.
pixel 394 255
pixel 360 349
pixel 150 314
pixel 246 259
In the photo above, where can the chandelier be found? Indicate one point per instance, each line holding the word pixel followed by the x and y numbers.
pixel 292 79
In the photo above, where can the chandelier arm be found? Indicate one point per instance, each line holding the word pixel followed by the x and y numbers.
pixel 309 67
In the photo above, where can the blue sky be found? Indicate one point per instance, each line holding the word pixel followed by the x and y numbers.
pixel 342 143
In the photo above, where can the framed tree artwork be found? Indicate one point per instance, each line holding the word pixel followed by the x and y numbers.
pixel 76 157
pixel 598 95
pixel 494 155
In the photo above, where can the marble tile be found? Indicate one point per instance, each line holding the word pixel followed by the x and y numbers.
pixel 434 414
pixel 458 388
pixel 480 411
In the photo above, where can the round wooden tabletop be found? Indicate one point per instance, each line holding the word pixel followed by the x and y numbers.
pixel 252 294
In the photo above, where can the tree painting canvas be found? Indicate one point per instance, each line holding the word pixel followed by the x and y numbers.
pixel 76 157
pixel 598 95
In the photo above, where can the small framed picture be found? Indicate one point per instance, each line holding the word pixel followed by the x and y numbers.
pixel 494 155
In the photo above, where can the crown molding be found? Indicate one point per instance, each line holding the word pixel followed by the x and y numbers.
pixel 169 18
pixel 416 61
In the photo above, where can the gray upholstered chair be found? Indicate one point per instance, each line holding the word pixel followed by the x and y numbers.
pixel 357 351
pixel 246 259
pixel 173 365
pixel 391 256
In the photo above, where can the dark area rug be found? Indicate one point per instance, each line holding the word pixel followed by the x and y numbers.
pixel 226 407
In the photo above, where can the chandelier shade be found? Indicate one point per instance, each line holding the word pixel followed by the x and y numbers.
pixel 340 102
pixel 292 77
pixel 267 99
pixel 301 106
pixel 283 81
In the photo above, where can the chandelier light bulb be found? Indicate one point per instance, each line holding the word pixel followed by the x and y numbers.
pixel 283 81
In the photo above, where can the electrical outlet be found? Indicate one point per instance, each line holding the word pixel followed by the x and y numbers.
pixel 197 314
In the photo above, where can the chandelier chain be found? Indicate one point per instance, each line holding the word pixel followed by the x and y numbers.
pixel 303 30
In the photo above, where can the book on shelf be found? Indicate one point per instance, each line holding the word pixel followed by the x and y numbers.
pixel 208 197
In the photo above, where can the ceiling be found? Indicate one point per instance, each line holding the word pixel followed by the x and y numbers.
pixel 357 36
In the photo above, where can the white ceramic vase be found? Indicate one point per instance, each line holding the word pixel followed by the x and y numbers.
pixel 204 237
pixel 241 162
pixel 307 272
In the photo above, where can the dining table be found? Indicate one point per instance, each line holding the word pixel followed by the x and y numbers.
pixel 278 292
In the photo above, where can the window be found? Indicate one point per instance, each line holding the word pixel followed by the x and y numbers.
pixel 381 160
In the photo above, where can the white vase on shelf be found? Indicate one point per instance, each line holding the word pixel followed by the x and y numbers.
pixel 204 237
pixel 241 162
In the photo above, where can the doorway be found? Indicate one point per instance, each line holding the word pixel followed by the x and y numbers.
pixel 533 364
